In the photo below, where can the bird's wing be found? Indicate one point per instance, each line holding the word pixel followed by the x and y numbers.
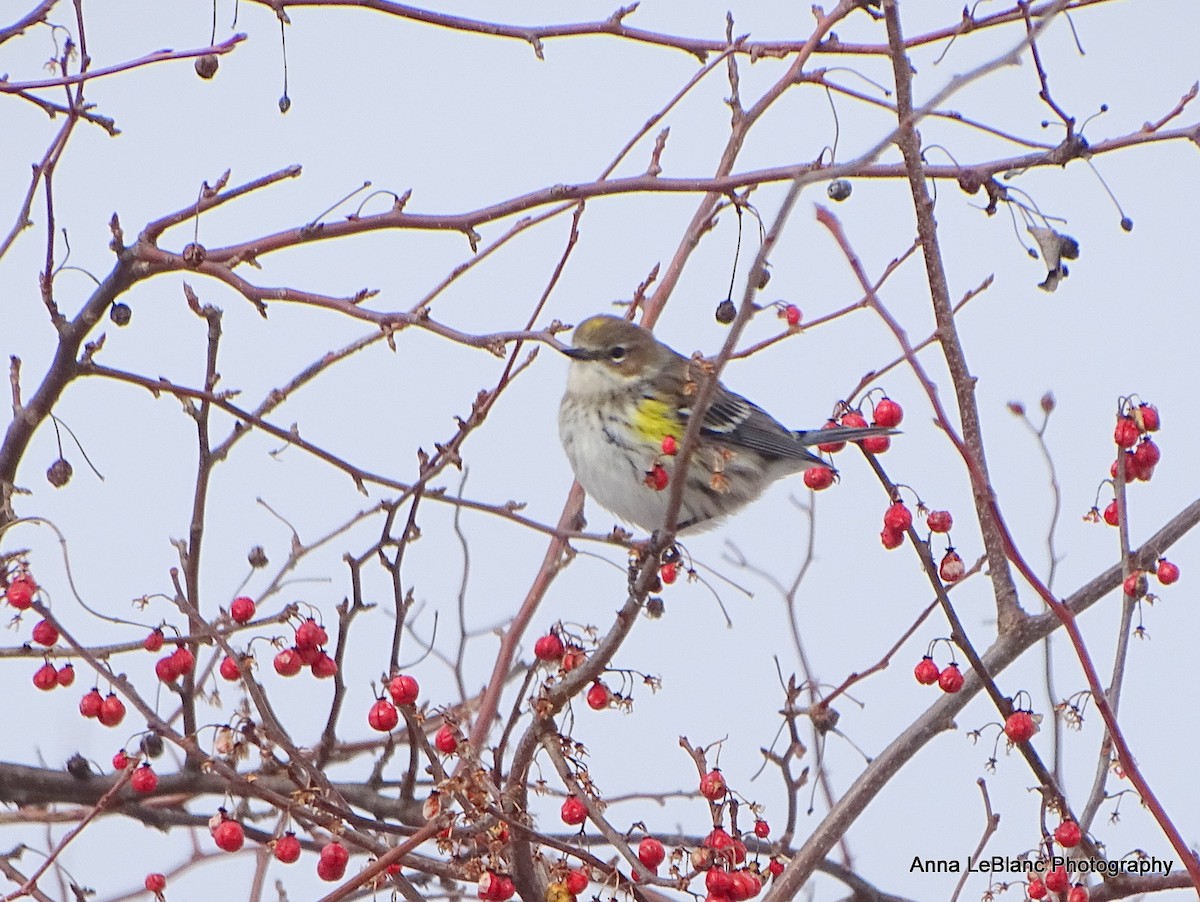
pixel 734 421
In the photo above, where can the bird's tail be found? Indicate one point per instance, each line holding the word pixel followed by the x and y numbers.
pixel 809 437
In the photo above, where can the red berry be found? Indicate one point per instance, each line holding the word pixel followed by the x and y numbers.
pixel 324 667
pixel 121 760
pixel 91 703
pixel 1111 516
pixel 229 668
pixel 897 517
pixel 229 835
pixel 829 447
pixel 1019 726
pixel 311 634
pixel 1166 571
pixel 242 609
pixel 1126 432
pixel 888 413
pixel 792 314
pixel 1057 880
pixel 951 568
pixel 383 716
pixel 891 538
pixel 45 633
pixel 651 852
pixel 66 673
pixel 495 887
pixel 144 779
pixel 926 671
pixel 1147 454
pixel 335 853
pixel 112 711
pixel 598 696
pixel 1068 834
pixel 818 478
pixel 775 867
pixel 330 870
pixel 1131 466
pixel 549 648
pixel 155 883
pixel 446 740
pixel 184 660
pixel 744 885
pixel 1136 584
pixel 876 444
pixel 1036 889
pixel 718 881
pixel 853 418
pixel 46 677
pixel 154 640
pixel 573 811
pixel 1078 893
pixel 404 689
pixel 166 668
pixel 939 521
pixel 713 786
pixel 762 829
pixel 951 679
pixel 1148 414
pixel 287 848
pixel 670 446
pixel 657 478
pixel 20 591
pixel 572 658
pixel 287 663
pixel 577 881
pixel 719 841
pixel 668 573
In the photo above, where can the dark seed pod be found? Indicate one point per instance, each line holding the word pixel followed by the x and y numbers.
pixel 839 189
pixel 206 66
pixel 59 473
pixel 78 767
pixel 257 557
pixel 120 314
pixel 726 312
pixel 152 745
pixel 194 254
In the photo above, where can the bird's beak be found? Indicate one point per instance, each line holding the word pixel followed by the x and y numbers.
pixel 580 353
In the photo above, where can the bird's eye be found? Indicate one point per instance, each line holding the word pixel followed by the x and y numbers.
pixel 617 354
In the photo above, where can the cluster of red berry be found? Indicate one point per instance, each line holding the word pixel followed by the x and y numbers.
pixel 308 649
pixel 887 413
pixel 721 856
pixel 950 678
pixel 1057 880
pixel 1137 453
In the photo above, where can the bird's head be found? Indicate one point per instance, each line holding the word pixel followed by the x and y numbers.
pixel 613 350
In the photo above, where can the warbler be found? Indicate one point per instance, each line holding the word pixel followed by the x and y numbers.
pixel 625 412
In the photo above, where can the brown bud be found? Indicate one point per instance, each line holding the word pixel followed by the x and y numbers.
pixel 1048 402
pixel 726 312
pixel 257 557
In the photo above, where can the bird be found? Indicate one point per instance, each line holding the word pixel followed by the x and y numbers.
pixel 624 414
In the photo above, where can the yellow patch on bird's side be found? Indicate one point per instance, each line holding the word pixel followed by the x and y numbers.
pixel 654 420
